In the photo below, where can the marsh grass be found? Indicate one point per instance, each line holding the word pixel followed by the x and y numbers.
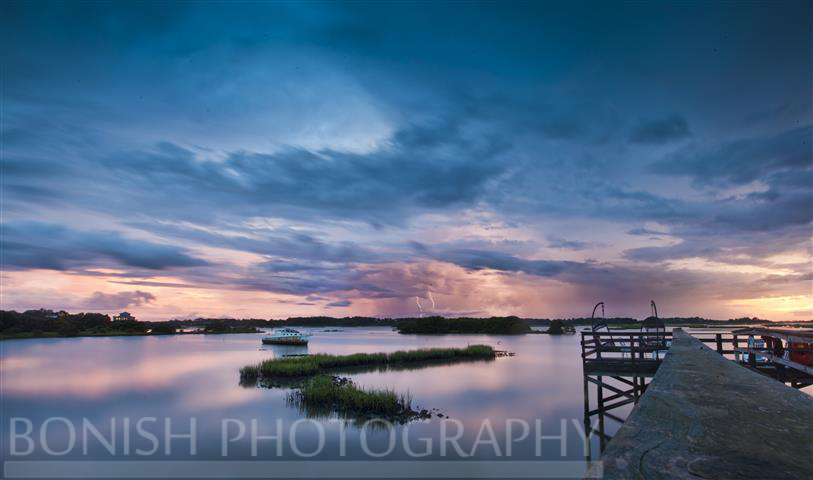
pixel 312 365
pixel 325 395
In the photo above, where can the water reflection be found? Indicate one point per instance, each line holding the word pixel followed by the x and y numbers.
pixel 286 350
pixel 196 376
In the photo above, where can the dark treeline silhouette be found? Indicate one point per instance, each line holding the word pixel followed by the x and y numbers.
pixel 557 327
pixel 291 321
pixel 618 321
pixel 344 322
pixel 44 323
pixel 493 325
pixel 48 323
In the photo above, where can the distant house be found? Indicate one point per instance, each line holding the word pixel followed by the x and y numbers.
pixel 123 317
pixel 43 313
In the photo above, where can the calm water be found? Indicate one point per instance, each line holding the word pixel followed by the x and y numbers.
pixel 109 379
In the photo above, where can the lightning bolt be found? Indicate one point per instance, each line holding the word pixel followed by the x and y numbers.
pixel 431 298
pixel 418 301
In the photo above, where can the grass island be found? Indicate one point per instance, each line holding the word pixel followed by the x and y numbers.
pixel 299 367
pixel 317 392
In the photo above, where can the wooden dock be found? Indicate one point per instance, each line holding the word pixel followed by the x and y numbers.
pixel 617 365
pixel 705 416
pixel 777 354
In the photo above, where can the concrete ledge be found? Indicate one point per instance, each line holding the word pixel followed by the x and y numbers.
pixel 704 416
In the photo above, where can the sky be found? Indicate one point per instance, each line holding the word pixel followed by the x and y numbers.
pixel 275 159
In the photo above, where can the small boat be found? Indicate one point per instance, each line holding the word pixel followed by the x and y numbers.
pixel 286 336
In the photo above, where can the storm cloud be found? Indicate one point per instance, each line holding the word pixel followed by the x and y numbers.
pixel 316 156
pixel 658 132
pixel 783 159
pixel 27 245
pixel 106 301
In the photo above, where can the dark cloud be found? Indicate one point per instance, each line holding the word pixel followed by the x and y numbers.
pixel 661 131
pixel 339 303
pixel 484 259
pixel 646 231
pixel 418 246
pixel 770 158
pixel 29 245
pixel 113 301
pixel 789 209
pixel 290 245
pixel 563 128
pixel 681 250
pixel 149 283
pixel 315 280
pixel 555 241
pixel 424 167
pixel 774 113
pixel 758 248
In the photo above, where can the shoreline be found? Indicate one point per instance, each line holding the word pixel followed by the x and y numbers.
pixel 119 334
pixel 534 331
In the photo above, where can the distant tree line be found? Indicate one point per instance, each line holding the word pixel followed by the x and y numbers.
pixel 49 323
pixel 492 325
pixel 616 321
pixel 291 321
pixel 556 327
pixel 344 322
pixel 45 323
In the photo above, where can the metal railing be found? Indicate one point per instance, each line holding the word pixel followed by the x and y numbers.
pixel 749 349
pixel 619 345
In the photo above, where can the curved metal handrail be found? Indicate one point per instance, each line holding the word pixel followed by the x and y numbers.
pixel 599 324
pixel 653 330
pixel 593 315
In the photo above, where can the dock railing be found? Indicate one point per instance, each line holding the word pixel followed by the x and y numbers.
pixel 618 365
pixel 704 416
pixel 626 343
pixel 757 348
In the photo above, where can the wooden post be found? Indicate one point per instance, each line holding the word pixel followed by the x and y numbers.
pixel 634 370
pixel 600 398
pixel 736 348
pixel 640 347
pixel 599 345
pixel 719 338
pixel 587 426
pixel 752 357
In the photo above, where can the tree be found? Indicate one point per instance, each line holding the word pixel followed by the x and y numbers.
pixel 556 327
pixel 162 329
